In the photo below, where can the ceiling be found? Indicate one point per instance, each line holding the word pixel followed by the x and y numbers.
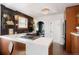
pixel 34 9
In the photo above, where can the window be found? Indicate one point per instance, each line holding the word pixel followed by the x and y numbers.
pixel 22 23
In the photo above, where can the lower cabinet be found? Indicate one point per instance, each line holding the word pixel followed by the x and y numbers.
pixel 75 44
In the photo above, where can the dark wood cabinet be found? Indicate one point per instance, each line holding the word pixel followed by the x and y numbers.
pixel 29 23
pixel 71 23
pixel 7 15
pixel 75 44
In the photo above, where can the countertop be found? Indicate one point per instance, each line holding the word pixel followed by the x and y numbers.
pixel 39 46
pixel 75 33
pixel 17 37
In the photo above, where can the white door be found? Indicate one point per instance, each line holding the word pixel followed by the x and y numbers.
pixel 56 31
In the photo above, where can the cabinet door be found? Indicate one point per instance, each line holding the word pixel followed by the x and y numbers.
pixel 71 23
pixel 74 45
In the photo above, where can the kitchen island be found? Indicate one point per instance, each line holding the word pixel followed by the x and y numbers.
pixel 38 46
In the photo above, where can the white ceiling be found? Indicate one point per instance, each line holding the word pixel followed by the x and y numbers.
pixel 34 9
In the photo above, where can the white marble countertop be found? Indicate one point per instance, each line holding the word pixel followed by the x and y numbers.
pixel 39 46
pixel 17 37
pixel 14 37
pixel 74 33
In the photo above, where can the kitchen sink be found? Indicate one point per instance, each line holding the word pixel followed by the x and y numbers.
pixel 29 37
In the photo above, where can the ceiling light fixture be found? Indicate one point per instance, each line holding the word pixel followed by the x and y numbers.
pixel 45 10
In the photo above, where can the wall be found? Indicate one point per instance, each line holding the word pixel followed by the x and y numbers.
pixel 0 18
pixel 53 26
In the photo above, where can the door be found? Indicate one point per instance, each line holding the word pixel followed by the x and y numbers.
pixel 56 31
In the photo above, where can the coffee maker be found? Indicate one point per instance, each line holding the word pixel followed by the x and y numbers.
pixel 40 31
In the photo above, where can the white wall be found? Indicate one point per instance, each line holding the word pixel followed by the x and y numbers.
pixel 53 25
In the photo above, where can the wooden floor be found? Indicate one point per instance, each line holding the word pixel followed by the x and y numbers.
pixel 56 49
pixel 59 50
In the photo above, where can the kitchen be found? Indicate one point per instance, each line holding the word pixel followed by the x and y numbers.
pixel 19 34
pixel 35 34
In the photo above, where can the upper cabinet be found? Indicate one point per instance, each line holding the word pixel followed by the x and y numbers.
pixel 14 21
pixel 71 24
pixel 7 20
pixel 22 22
